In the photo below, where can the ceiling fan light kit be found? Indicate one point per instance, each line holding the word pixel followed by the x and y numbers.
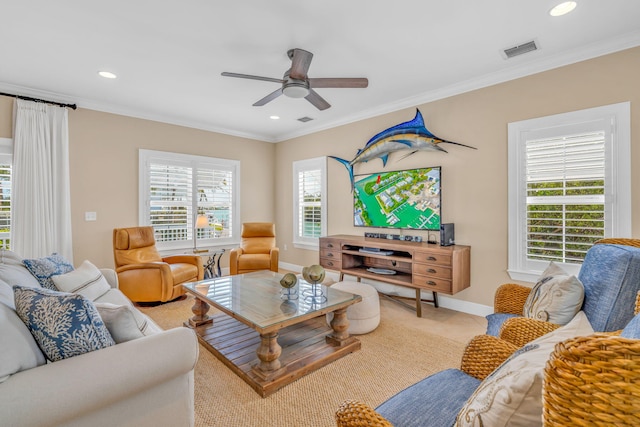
pixel 297 84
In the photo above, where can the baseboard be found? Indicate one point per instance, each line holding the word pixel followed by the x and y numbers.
pixel 443 300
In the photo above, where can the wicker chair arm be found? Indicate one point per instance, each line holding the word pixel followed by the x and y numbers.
pixel 357 414
pixel 510 298
pixel 620 241
pixel 593 380
pixel 484 354
pixel 521 330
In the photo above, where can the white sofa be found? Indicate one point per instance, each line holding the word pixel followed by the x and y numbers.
pixel 147 381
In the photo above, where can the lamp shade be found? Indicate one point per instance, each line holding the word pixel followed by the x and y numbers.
pixel 202 221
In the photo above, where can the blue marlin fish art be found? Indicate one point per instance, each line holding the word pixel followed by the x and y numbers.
pixel 412 135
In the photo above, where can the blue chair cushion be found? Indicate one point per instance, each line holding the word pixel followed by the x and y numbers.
pixel 433 402
pixel 611 278
pixel 495 321
pixel 632 330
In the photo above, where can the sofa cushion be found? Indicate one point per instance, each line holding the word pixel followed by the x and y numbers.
pixel 632 330
pixel 116 297
pixel 555 298
pixel 512 394
pixel 43 268
pixel 120 321
pixel 435 401
pixel 611 278
pixel 14 272
pixel 85 280
pixel 19 350
pixel 495 321
pixel 64 325
pixel 6 294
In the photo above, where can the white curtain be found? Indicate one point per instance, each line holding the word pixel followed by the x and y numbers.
pixel 40 196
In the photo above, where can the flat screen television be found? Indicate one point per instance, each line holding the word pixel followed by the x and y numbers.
pixel 405 199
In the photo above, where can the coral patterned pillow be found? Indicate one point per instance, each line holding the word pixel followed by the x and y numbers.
pixel 64 325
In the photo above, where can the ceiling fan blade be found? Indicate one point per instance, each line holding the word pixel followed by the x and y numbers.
pixel 339 82
pixel 248 76
pixel 317 101
pixel 300 62
pixel 273 95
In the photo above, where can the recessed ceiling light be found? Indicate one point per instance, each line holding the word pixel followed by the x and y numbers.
pixel 274 117
pixel 107 75
pixel 563 8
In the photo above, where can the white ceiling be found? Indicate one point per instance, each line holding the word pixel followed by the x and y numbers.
pixel 168 55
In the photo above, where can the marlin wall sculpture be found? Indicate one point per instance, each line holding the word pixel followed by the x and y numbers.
pixel 411 135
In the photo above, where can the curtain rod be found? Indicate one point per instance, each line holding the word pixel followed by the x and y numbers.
pixel 27 98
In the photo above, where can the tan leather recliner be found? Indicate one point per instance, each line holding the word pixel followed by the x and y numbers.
pixel 257 249
pixel 144 275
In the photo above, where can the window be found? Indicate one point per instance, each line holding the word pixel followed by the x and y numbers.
pixel 310 202
pixel 569 185
pixel 183 195
pixel 6 158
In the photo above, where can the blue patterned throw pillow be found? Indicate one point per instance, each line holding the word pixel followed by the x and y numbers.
pixel 64 325
pixel 43 268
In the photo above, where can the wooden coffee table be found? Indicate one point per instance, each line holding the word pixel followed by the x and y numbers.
pixel 265 338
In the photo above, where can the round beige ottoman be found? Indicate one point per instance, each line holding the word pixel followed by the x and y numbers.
pixel 363 316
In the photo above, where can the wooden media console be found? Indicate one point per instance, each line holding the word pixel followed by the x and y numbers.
pixel 417 265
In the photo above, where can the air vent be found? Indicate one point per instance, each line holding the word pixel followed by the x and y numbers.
pixel 305 119
pixel 520 49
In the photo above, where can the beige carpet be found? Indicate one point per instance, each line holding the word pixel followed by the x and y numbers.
pixel 397 354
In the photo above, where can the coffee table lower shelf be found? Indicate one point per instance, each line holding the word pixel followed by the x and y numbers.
pixel 304 350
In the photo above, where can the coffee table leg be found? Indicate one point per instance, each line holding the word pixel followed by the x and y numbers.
pixel 340 326
pixel 268 352
pixel 200 309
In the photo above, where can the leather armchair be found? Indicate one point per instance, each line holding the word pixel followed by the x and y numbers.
pixel 257 249
pixel 143 274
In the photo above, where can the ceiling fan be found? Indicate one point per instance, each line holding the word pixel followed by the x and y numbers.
pixel 296 83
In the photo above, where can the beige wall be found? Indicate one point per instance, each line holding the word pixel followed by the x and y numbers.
pixel 104 162
pixel 104 172
pixel 474 182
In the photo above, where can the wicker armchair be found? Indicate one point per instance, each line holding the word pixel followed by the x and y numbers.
pixel 593 381
pixel 510 299
pixel 588 381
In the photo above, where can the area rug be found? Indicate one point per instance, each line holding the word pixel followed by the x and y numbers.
pixel 392 357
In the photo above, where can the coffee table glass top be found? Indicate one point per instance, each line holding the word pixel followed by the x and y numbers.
pixel 257 298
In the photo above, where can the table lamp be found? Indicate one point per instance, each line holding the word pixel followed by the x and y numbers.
pixel 201 222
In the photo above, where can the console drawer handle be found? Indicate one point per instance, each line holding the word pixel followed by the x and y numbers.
pixel 330 264
pixel 431 270
pixel 330 255
pixel 431 258
pixel 431 283
pixel 330 245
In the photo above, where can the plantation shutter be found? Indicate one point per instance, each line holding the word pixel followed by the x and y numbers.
pixel 170 201
pixel 565 196
pixel 215 199
pixel 309 203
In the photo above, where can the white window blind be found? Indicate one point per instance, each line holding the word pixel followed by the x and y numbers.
pixel 309 181
pixel 176 188
pixel 565 196
pixel 569 185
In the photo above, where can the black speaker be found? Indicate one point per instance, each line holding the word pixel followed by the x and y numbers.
pixel 447 235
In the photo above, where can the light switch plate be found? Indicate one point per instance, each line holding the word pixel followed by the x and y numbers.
pixel 90 216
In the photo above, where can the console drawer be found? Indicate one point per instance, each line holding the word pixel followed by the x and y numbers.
pixel 432 283
pixel 329 244
pixel 432 270
pixel 331 263
pixel 432 258
pixel 330 253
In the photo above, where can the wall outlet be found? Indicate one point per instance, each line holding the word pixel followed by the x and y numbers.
pixel 285 246
pixel 90 216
